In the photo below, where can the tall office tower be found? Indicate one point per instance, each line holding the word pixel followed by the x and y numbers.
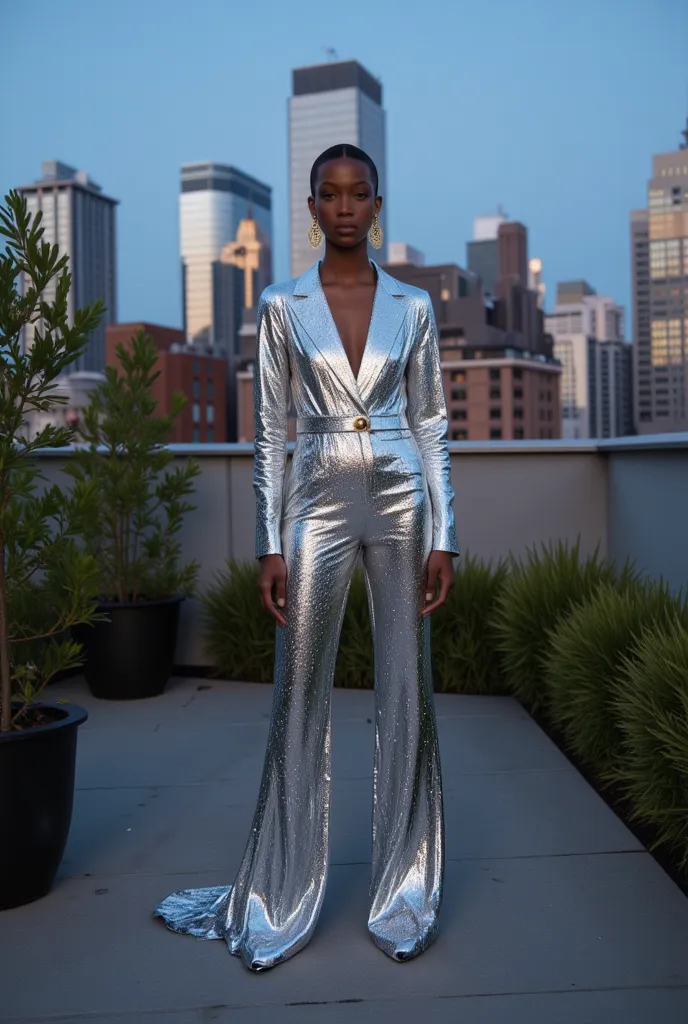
pixel 80 219
pixel 482 253
pixel 330 103
pixel 214 199
pixel 242 271
pixel 535 282
pixel 588 331
pixel 659 257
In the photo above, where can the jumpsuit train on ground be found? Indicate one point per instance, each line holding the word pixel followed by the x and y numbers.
pixel 369 476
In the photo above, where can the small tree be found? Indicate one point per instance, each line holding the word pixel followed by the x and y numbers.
pixel 46 581
pixel 132 528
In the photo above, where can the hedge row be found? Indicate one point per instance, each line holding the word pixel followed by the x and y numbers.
pixel 592 648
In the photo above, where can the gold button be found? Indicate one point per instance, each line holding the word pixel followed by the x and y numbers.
pixel 360 423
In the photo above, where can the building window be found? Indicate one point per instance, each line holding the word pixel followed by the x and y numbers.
pixel 196 435
pixel 458 414
pixel 210 434
pixel 518 374
pixel 458 394
pixel 458 377
pixel 209 369
pixel 496 393
pixel 518 433
pixel 210 413
pixel 209 390
pixel 196 366
pixel 494 374
pixel 495 434
pixel 518 393
pixel 196 388
pixel 495 413
pixel 518 412
pixel 196 413
pixel 459 435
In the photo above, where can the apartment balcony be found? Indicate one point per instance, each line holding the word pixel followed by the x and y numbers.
pixel 553 910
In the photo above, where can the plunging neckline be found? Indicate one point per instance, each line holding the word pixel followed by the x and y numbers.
pixel 336 329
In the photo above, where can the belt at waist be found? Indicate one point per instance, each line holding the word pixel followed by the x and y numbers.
pixel 357 424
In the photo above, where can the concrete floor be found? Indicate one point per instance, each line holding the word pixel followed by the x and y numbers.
pixel 553 911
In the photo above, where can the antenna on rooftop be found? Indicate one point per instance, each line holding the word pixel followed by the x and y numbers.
pixel 330 52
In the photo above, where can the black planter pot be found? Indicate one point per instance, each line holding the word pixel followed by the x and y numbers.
pixel 36 799
pixel 131 656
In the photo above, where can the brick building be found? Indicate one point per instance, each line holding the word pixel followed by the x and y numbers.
pixel 195 371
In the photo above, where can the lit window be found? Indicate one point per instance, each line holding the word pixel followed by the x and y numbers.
pixel 196 413
pixel 210 414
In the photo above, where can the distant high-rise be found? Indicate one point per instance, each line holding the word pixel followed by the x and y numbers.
pixel 482 252
pixel 214 199
pixel 80 219
pixel 659 260
pixel 335 102
pixel 588 331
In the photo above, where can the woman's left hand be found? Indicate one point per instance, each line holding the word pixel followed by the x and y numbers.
pixel 439 580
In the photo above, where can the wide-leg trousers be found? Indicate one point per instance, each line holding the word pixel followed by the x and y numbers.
pixel 375 504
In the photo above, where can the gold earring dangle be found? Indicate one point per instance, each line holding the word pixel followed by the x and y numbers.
pixel 315 235
pixel 375 234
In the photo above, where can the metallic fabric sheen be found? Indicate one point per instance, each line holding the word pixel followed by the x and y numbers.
pixel 382 492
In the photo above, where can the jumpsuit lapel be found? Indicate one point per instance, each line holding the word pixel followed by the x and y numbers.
pixel 310 306
pixel 389 312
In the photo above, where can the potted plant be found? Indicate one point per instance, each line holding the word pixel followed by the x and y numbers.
pixel 46 582
pixel 134 526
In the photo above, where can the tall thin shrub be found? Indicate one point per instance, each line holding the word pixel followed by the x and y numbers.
pixel 587 654
pixel 538 593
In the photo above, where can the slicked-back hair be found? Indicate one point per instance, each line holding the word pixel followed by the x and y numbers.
pixel 344 149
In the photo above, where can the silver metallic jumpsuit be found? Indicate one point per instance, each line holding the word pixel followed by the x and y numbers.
pixel 370 475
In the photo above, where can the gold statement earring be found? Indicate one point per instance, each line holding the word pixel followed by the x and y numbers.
pixel 315 235
pixel 375 234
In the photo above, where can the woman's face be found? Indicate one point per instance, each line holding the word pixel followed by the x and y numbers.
pixel 344 202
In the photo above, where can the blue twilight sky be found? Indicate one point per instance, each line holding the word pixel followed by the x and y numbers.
pixel 551 107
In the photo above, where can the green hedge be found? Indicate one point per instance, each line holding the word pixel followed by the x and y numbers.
pixel 539 592
pixel 586 657
pixel 652 709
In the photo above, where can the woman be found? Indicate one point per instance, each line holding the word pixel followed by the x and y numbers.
pixel 356 351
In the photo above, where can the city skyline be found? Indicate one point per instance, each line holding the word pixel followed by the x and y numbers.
pixel 478 114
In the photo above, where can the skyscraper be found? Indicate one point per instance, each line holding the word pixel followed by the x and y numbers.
pixel 214 199
pixel 482 253
pixel 588 331
pixel 80 219
pixel 659 259
pixel 330 103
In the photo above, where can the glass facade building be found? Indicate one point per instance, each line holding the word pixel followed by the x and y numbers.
pixel 80 219
pixel 330 103
pixel 659 248
pixel 214 199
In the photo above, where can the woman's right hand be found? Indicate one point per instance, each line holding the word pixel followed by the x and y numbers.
pixel 272 584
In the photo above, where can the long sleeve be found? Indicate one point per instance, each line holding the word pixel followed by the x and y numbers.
pixel 427 414
pixel 271 404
